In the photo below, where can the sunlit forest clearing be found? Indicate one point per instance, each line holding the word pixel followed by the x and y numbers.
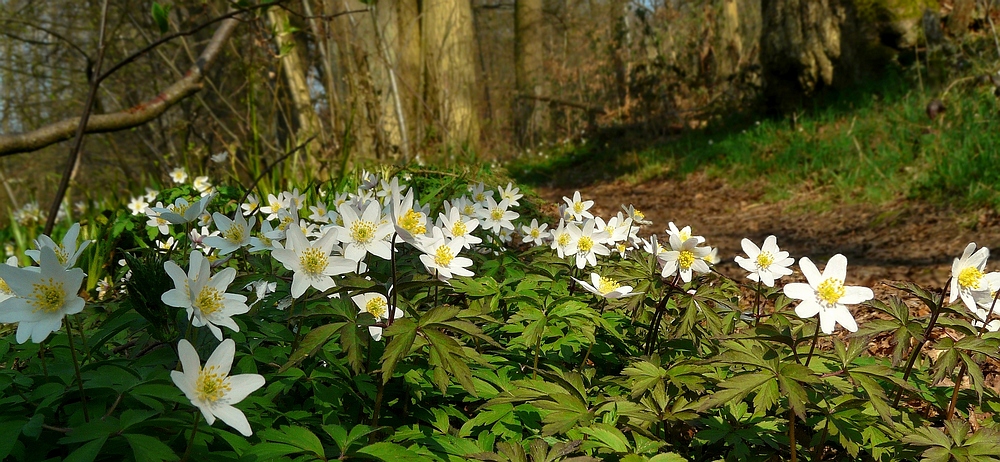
pixel 499 230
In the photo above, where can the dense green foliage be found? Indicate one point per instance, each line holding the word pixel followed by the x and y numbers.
pixel 516 363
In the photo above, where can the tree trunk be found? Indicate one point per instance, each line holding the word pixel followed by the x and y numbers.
pixel 961 17
pixel 800 43
pixel 529 56
pixel 450 60
pixel 298 87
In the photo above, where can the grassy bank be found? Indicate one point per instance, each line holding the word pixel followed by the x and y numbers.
pixel 872 143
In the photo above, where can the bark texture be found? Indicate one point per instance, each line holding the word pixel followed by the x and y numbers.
pixel 529 56
pixel 450 60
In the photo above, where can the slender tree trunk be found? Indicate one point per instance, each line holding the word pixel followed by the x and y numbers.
pixel 450 60
pixel 529 56
pixel 298 87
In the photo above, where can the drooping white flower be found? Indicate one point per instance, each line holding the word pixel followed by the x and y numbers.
pixel 204 295
pixel 578 208
pixel 235 233
pixel 534 233
pixel 211 389
pixel 42 296
pixel 312 262
pixel 606 287
pixel 376 304
pixel 179 175
pixel 967 275
pixel 825 294
pixel 636 215
pixel 684 257
pixel 182 211
pixel 67 251
pixel 767 263
pixel 361 235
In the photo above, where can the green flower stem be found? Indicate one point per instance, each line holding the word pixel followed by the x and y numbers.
pixel 661 308
pixel 41 355
pixel 76 368
pixel 813 346
pixel 920 344
pixel 378 402
pixel 194 431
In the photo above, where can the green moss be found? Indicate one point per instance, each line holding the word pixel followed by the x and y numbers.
pixel 893 10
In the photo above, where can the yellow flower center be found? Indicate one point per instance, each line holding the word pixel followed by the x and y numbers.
pixel 235 234
pixel 377 307
pixel 578 207
pixel 563 239
pixel 685 259
pixel 684 235
pixel 459 229
pixel 285 221
pixel 469 210
pixel 211 386
pixel 208 301
pixel 764 260
pixel 274 205
pixel 413 222
pixel 610 229
pixel 535 233
pixel 362 231
pixel 481 197
pixel 62 255
pixel 606 285
pixel 4 288
pixel 180 209
pixel 638 215
pixel 313 262
pixel 970 277
pixel 621 246
pixel 48 297
pixel 443 256
pixel 830 290
pixel 496 214
pixel 585 244
pixel 264 239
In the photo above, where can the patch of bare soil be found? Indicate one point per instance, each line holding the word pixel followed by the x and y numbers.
pixel 902 240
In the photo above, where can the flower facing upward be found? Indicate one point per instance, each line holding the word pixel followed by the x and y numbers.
pixel 967 276
pixel 588 244
pixel 534 233
pixel 766 263
pixel 496 216
pixel 684 257
pixel 606 287
pixel 204 295
pixel 376 304
pixel 179 175
pixel 234 233
pixel 211 389
pixel 459 228
pixel 311 261
pixel 42 296
pixel 364 234
pixel 825 294
pixel 441 259
pixel 578 208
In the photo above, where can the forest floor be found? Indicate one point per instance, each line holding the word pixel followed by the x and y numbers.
pixel 903 240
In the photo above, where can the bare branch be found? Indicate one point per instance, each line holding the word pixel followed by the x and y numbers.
pixel 128 118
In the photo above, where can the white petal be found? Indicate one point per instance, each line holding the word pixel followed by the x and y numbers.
pixel 844 317
pixel 222 357
pixel 800 291
pixel 809 270
pixel 856 294
pixel 807 309
pixel 242 385
pixel 827 322
pixel 836 268
pixel 749 248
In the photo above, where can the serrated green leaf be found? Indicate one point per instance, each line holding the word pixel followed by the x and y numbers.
pixel 311 343
pixel 145 448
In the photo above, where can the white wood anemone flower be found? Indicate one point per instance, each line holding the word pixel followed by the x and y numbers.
pixel 234 233
pixel 825 294
pixel 364 234
pixel 441 258
pixel 767 263
pixel 684 257
pixel 211 389
pixel 378 305
pixel 606 287
pixel 67 251
pixel 967 276
pixel 204 295
pixel 311 261
pixel 42 296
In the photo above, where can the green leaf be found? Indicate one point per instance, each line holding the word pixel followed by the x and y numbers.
pixel 87 452
pixel 149 449
pixel 160 17
pixel 390 452
pixel 299 437
pixel 609 437
pixel 10 429
pixel 403 333
pixel 312 343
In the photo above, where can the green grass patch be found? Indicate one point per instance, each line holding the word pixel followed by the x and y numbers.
pixel 873 143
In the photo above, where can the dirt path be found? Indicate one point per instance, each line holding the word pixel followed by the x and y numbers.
pixel 899 241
